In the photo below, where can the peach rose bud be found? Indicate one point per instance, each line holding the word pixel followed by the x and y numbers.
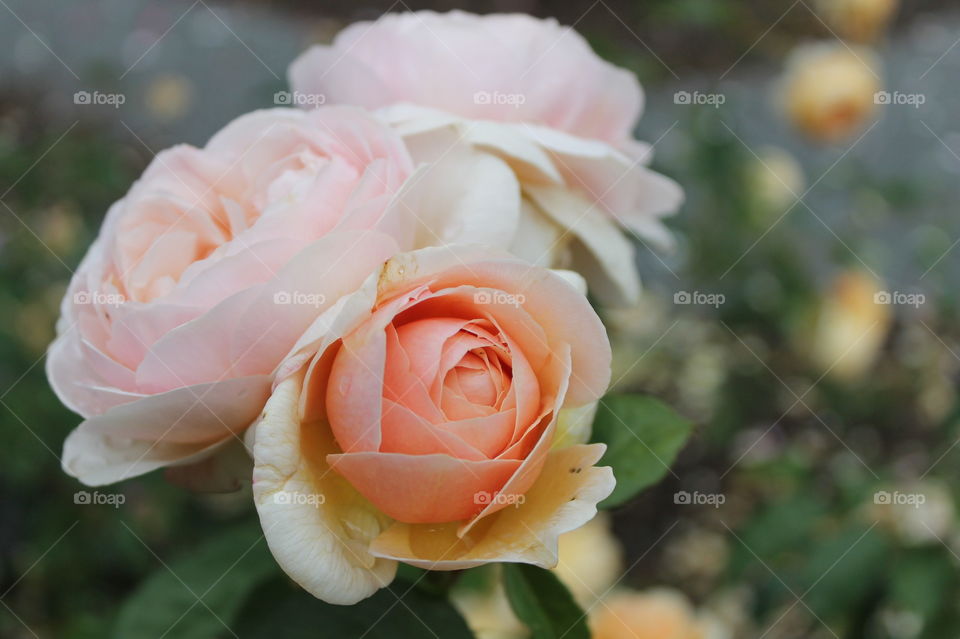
pixel 421 420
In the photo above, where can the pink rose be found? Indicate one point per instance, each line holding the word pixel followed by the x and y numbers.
pixel 501 67
pixel 206 273
pixel 435 417
pixel 541 124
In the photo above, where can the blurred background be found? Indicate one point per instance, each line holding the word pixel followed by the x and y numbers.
pixel 806 321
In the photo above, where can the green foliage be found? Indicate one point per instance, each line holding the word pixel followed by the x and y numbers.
pixel 643 437
pixel 543 603
pixel 281 609
pixel 198 595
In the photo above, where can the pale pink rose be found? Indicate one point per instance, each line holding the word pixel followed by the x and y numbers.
pixel 433 417
pixel 206 273
pixel 502 67
pixel 541 124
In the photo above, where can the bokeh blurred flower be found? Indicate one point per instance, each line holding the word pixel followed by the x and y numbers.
pixel 828 90
pixel 488 612
pixel 169 97
pixel 917 512
pixel 591 560
pixel 206 273
pixel 416 421
pixel 851 325
pixel 540 123
pixel 775 180
pixel 651 614
pixel 860 20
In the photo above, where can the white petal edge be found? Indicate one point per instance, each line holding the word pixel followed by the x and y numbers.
pixel 316 525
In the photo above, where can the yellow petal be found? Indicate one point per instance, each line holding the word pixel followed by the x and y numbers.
pixel 317 526
pixel 563 498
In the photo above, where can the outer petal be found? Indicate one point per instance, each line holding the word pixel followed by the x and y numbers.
pixel 563 498
pixel 250 332
pixel 607 259
pixel 504 67
pixel 74 381
pixel 178 427
pixel 483 208
pixel 423 488
pixel 316 525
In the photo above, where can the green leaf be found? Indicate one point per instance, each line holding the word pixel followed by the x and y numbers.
pixel 279 608
pixel 219 572
pixel 643 437
pixel 543 603
pixel 843 569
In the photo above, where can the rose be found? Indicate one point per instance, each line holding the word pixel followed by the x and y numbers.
pixel 828 89
pixel 197 251
pixel 540 123
pixel 410 398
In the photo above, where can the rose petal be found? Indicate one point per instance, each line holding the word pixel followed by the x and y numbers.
pixel 422 488
pixel 316 525
pixel 563 498
pixel 179 426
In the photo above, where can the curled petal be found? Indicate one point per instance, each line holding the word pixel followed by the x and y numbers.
pixel 316 525
pixel 564 497
pixel 177 427
pixel 424 488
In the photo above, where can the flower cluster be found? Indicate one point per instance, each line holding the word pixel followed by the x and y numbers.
pixel 380 298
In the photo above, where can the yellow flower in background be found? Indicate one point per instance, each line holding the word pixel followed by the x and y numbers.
pixel 652 614
pixel 775 179
pixel 851 325
pixel 591 560
pixel 860 20
pixel 488 613
pixel 169 97
pixel 828 89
